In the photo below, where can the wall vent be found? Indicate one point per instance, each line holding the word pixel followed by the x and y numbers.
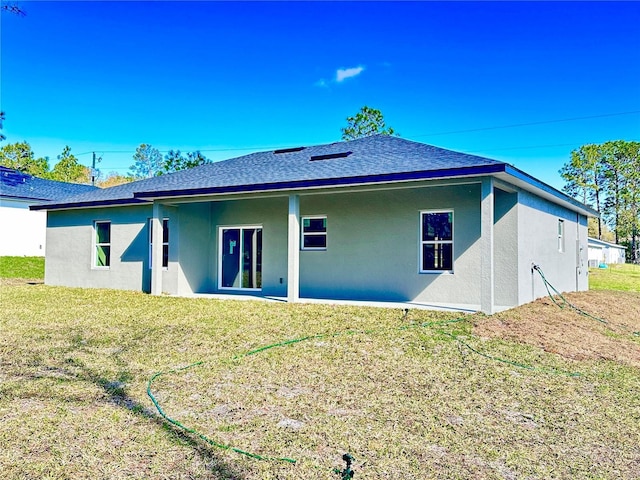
pixel 330 156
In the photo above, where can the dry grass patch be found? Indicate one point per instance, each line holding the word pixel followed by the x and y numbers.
pixel 14 282
pixel 409 403
pixel 566 333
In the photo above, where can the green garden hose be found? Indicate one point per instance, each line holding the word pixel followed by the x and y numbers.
pixel 566 302
pixel 348 470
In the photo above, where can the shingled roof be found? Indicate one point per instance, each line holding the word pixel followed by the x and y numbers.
pixel 18 185
pixel 374 159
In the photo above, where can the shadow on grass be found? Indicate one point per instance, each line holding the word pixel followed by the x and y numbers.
pixel 117 396
pixel 75 370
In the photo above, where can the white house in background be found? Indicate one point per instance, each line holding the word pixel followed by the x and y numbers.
pixel 605 252
pixel 22 231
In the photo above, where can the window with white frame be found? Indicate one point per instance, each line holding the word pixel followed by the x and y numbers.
pixel 436 241
pixel 314 233
pixel 561 236
pixel 165 242
pixel 102 244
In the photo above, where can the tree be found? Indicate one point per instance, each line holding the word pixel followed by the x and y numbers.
pixel 19 156
pixel 174 161
pixel 148 162
pixel 69 169
pixel 113 179
pixel 609 175
pixel 368 121
pixel 614 181
pixel 607 234
pixel 583 175
pixel 628 221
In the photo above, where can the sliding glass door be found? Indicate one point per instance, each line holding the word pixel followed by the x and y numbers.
pixel 240 258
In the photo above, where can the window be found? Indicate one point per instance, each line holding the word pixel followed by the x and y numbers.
pixel 436 241
pixel 102 248
pixel 314 233
pixel 561 236
pixel 165 242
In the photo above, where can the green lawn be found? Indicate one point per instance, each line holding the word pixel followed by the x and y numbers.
pixel 409 397
pixel 625 277
pixel 406 401
pixel 22 267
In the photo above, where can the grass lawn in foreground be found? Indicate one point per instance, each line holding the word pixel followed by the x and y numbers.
pixel 483 398
pixel 623 276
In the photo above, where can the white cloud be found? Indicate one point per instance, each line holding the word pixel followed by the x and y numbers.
pixel 344 73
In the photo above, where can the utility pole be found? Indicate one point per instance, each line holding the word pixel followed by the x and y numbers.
pixel 93 169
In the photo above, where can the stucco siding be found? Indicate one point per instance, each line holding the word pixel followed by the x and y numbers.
pixel 191 247
pixel 538 244
pixel 271 215
pixel 70 238
pixel 506 247
pixel 373 246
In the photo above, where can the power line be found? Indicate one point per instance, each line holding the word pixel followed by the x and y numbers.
pixel 527 124
pixel 270 147
pixel 452 132
pixel 531 147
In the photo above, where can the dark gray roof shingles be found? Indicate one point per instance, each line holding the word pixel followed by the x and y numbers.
pixel 371 156
pixel 15 184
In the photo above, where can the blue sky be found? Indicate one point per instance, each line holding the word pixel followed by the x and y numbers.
pixel 229 78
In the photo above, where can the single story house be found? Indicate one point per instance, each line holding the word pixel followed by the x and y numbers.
pixel 379 218
pixel 605 252
pixel 23 232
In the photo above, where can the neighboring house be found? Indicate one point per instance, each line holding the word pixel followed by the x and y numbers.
pixel 23 232
pixel 605 252
pixel 379 218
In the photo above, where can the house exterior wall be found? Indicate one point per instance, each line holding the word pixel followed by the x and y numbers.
pixel 373 246
pixel 505 257
pixel 596 255
pixel 614 255
pixel 601 252
pixel 190 248
pixel 22 232
pixel 70 236
pixel 537 244
pixel 271 215
pixel 373 242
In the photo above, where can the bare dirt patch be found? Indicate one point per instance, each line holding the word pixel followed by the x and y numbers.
pixel 565 332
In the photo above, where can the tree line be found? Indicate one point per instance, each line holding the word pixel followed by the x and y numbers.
pixel 607 177
pixel 148 162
